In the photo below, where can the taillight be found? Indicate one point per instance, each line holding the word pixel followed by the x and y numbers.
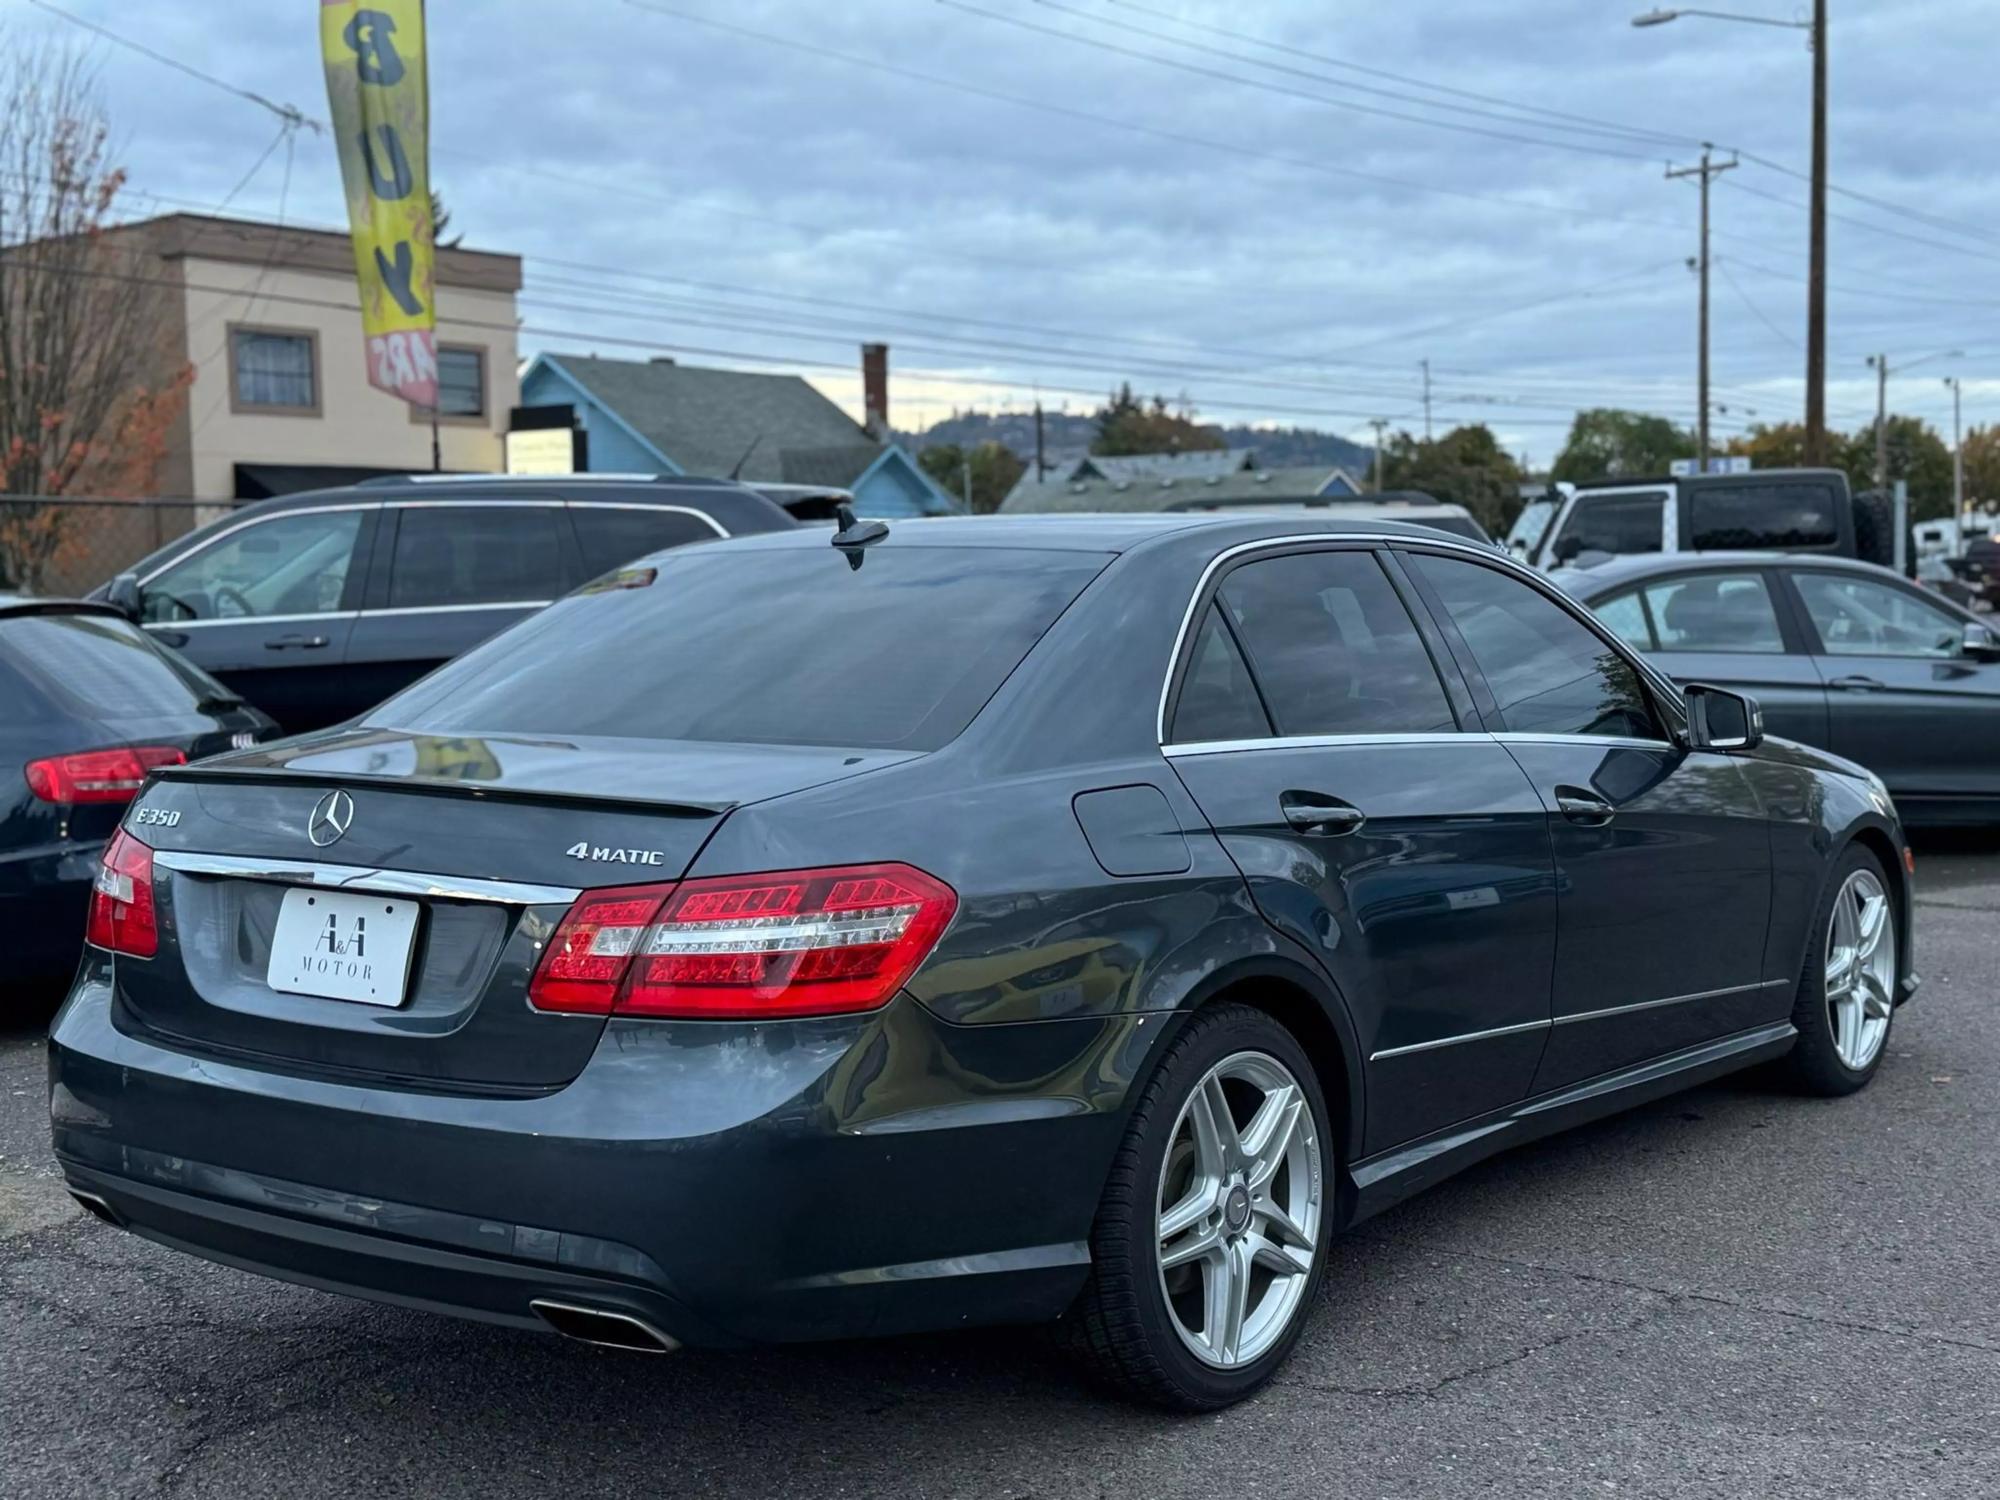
pixel 98 775
pixel 750 947
pixel 121 900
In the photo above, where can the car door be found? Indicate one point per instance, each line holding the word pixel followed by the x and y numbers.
pixel 1663 856
pixel 1390 839
pixel 1903 697
pixel 449 574
pixel 1729 627
pixel 268 607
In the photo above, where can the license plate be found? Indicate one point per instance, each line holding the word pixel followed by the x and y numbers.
pixel 340 945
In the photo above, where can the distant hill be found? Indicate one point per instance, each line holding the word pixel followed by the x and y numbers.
pixel 1066 438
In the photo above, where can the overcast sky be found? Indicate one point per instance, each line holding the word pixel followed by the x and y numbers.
pixel 783 178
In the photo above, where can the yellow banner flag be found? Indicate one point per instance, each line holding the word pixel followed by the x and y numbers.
pixel 377 83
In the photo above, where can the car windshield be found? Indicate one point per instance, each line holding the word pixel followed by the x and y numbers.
pixel 790 647
pixel 1531 525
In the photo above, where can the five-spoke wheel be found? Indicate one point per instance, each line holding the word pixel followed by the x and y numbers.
pixel 1860 969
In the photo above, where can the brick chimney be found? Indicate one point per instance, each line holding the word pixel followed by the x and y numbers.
pixel 875 389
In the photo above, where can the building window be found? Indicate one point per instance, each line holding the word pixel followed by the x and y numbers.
pixel 272 369
pixel 461 382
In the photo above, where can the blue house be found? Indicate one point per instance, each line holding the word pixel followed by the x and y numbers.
pixel 657 416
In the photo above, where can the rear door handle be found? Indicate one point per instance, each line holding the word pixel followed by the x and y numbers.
pixel 1584 807
pixel 1856 684
pixel 1315 812
pixel 296 643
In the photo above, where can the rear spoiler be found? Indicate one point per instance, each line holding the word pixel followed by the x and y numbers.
pixel 212 773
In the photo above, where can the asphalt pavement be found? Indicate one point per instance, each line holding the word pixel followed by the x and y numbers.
pixel 1730 1293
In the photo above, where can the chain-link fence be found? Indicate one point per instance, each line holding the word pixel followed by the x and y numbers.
pixel 67 546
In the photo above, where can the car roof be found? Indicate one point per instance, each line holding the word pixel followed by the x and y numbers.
pixel 15 605
pixel 1086 531
pixel 1616 572
pixel 1641 481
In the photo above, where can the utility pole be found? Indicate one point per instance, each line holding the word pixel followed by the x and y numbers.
pixel 1708 171
pixel 1881 364
pixel 1816 268
pixel 1381 426
pixel 1041 464
pixel 1427 399
pixel 1957 449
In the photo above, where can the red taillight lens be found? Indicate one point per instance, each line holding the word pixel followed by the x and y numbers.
pixel 587 958
pixel 98 775
pixel 752 947
pixel 121 900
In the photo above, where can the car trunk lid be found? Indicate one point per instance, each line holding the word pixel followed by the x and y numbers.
pixel 463 854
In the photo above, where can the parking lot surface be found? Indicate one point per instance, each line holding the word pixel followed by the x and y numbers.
pixel 1732 1292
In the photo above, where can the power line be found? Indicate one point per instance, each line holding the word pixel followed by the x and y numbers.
pixel 290 113
pixel 1272 88
pixel 1849 219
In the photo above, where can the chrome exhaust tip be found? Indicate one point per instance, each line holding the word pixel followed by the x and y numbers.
pixel 97 1207
pixel 602 1327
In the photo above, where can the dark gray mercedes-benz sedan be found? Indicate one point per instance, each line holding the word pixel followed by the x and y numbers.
pixel 980 921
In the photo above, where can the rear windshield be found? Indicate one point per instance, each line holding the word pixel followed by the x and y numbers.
pixel 788 647
pixel 1463 526
pixel 1785 517
pixel 92 666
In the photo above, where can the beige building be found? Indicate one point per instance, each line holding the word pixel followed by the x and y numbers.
pixel 267 317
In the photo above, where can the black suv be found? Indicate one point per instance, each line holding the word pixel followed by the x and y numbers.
pixel 317 606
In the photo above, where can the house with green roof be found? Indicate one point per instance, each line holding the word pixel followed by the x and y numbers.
pixel 659 416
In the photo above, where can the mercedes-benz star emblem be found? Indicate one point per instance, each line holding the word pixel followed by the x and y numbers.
pixel 331 817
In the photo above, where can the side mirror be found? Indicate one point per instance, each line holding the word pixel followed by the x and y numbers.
pixel 1979 642
pixel 1719 719
pixel 122 594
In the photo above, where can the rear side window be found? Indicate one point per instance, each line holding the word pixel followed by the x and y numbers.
pixel 1549 674
pixel 91 666
pixel 1742 517
pixel 1618 524
pixel 1333 648
pixel 471 554
pixel 612 536
pixel 1218 700
pixel 783 646
pixel 1729 612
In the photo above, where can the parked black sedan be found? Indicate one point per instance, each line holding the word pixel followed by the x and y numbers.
pixel 975 921
pixel 1840 654
pixel 88 706
pixel 317 606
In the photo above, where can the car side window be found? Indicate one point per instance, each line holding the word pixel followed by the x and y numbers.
pixel 1715 612
pixel 1333 648
pixel 1549 673
pixel 473 554
pixel 1625 617
pixel 1218 700
pixel 286 565
pixel 1618 524
pixel 1858 616
pixel 612 536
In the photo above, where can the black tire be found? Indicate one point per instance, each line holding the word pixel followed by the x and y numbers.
pixel 1814 1065
pixel 1121 1326
pixel 1875 528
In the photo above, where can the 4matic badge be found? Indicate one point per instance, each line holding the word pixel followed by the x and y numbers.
pixel 602 855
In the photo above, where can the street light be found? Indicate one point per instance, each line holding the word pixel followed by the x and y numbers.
pixel 1815 30
pixel 1879 363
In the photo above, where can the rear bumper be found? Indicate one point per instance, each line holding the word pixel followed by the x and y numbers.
pixel 724 1184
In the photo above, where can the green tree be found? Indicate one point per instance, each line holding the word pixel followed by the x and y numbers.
pixel 1127 424
pixel 1466 466
pixel 1608 443
pixel 1982 465
pixel 1780 445
pixel 995 470
pixel 1916 454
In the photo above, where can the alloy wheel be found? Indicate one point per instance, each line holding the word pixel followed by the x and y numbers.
pixel 1860 969
pixel 1238 1211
